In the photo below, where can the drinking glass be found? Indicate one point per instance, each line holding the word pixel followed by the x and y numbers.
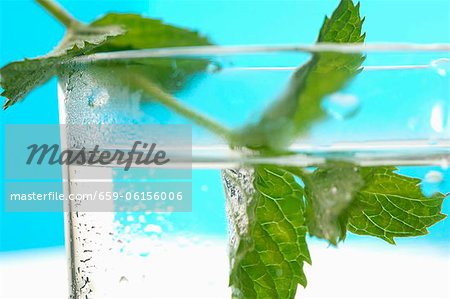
pixel 394 112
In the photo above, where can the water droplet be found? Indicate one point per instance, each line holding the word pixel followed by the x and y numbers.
pixel 434 177
pixel 141 218
pixel 130 218
pixel 98 98
pixel 204 188
pixel 438 118
pixel 341 106
pixel 442 66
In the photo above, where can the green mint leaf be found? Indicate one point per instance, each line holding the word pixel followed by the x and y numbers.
pixel 391 205
pixel 170 74
pixel 145 33
pixel 259 253
pixel 329 192
pixel 113 32
pixel 372 201
pixel 268 246
pixel 19 78
pixel 324 74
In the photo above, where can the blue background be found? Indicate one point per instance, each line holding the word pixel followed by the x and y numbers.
pixel 27 31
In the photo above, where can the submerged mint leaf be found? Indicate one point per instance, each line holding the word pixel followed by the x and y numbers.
pixel 329 192
pixel 269 247
pixel 391 205
pixel 372 201
pixel 324 74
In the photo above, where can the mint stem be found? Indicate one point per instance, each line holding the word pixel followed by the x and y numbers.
pixel 172 103
pixel 149 87
pixel 58 12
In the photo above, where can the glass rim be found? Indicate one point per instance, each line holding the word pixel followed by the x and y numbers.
pixel 264 49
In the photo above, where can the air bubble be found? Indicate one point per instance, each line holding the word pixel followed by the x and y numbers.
pixel 434 177
pixel 341 106
pixel 441 65
pixel 438 118
pixel 432 183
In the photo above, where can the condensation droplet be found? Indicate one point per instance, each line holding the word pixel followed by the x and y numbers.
pixel 204 188
pixel 434 177
pixel 98 98
pixel 441 65
pixel 341 106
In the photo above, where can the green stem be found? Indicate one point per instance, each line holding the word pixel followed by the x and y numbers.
pixel 149 87
pixel 58 12
pixel 172 103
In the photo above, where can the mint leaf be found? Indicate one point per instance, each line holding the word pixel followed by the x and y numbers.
pixel 145 33
pixel 372 201
pixel 324 74
pixel 170 74
pixel 19 78
pixel 268 246
pixel 392 205
pixel 329 192
pixel 113 32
